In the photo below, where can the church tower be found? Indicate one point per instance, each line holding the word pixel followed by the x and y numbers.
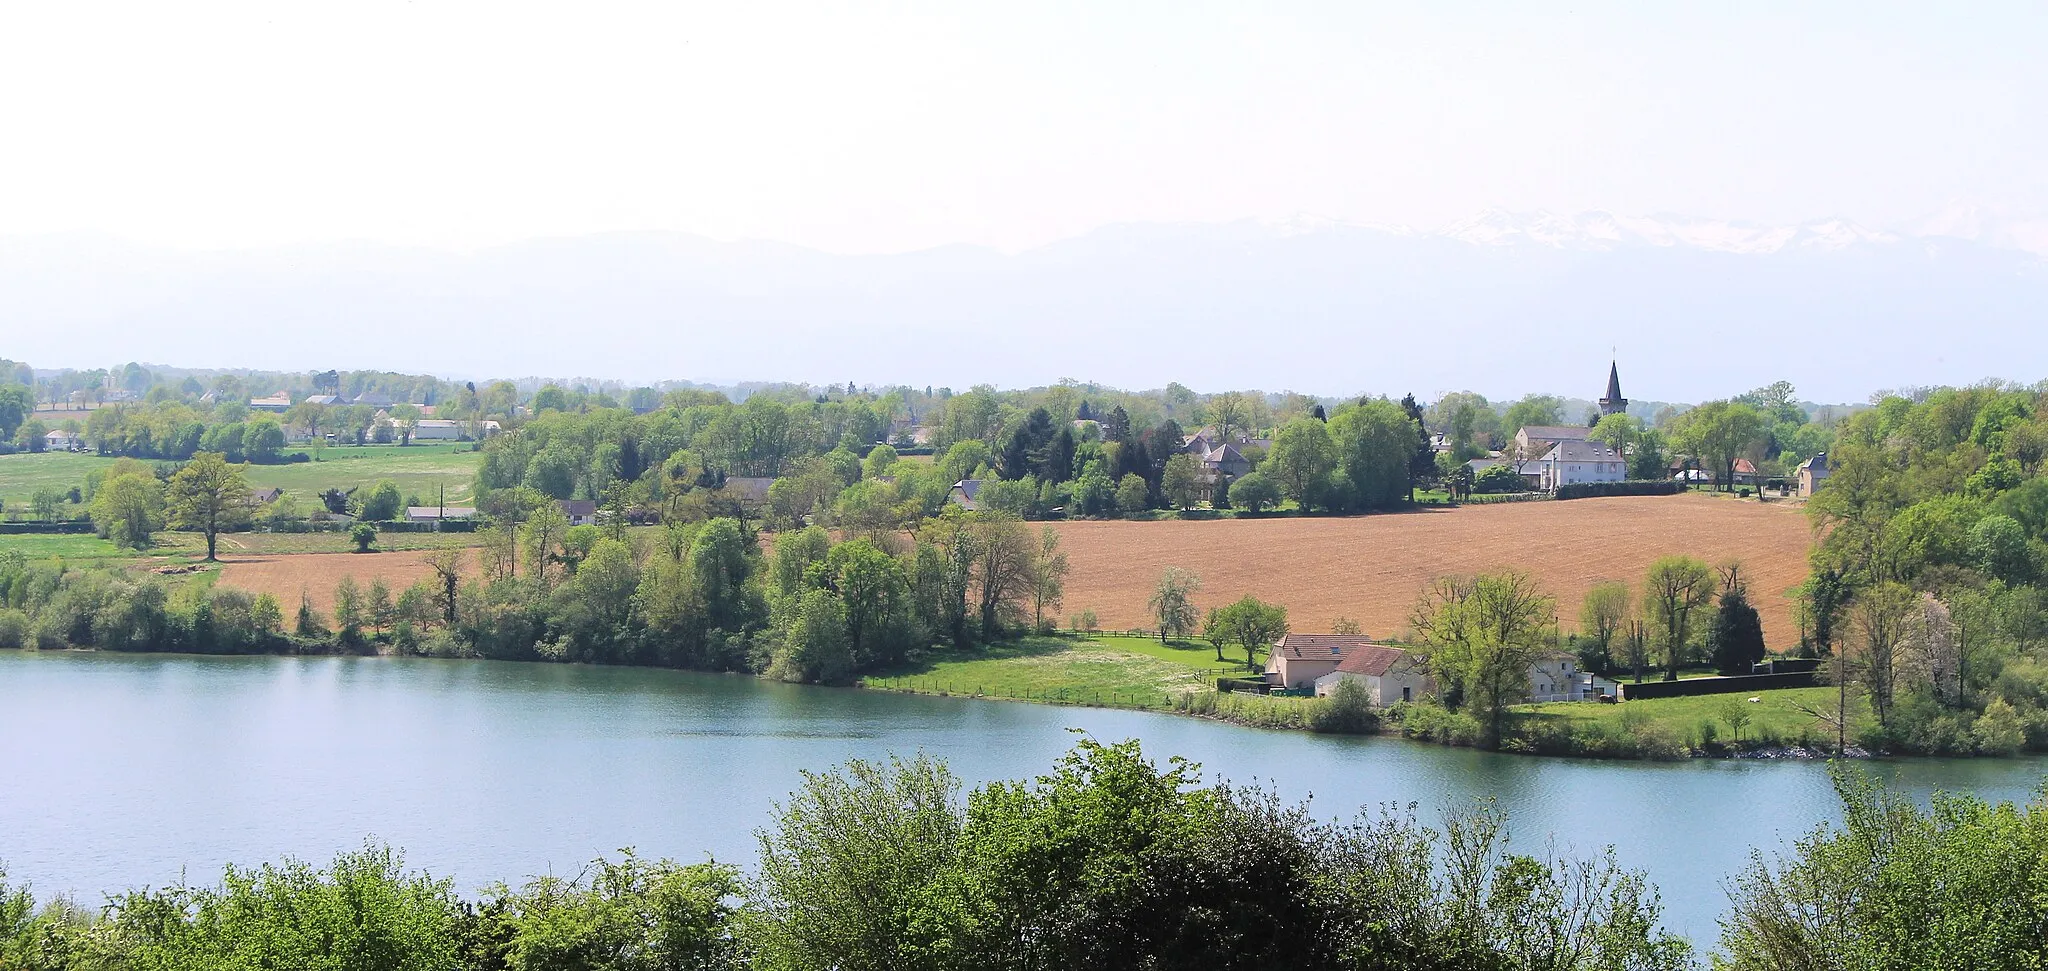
pixel 1613 403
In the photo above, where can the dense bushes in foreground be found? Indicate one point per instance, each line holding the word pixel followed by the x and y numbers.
pixel 1109 861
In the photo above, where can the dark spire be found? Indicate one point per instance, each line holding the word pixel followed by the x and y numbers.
pixel 1613 403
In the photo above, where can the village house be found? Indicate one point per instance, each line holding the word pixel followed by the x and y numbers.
pixel 59 440
pixel 1556 678
pixel 1297 660
pixel 262 497
pixel 1388 674
pixel 580 512
pixel 1812 473
pixel 1573 462
pixel 964 492
pixel 1535 440
pixel 278 403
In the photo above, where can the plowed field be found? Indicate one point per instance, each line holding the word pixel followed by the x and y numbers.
pixel 284 575
pixel 1370 568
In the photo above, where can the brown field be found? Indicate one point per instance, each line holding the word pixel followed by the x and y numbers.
pixel 284 575
pixel 1370 568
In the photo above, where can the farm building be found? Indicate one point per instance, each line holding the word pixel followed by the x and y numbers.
pixel 278 403
pixel 434 514
pixel 1812 473
pixel 963 493
pixel 1570 463
pixel 1388 674
pixel 580 512
pixel 1297 660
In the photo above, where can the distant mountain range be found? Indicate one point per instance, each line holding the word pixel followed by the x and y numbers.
pixel 1503 303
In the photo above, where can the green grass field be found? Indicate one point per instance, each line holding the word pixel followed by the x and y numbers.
pixel 1783 714
pixel 418 470
pixel 69 546
pixel 1103 669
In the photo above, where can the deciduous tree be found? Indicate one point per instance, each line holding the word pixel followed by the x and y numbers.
pixel 208 495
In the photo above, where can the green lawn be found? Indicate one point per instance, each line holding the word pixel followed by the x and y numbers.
pixel 1781 713
pixel 418 470
pixel 70 546
pixel 1103 669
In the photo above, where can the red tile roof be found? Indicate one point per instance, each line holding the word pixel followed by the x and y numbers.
pixel 1320 646
pixel 1372 660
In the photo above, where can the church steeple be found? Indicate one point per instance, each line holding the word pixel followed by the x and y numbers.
pixel 1613 403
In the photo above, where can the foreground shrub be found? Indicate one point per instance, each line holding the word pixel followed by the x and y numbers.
pixel 1956 885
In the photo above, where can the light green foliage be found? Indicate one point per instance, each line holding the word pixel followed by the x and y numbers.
pixel 1300 463
pixel 128 507
pixel 624 915
pixel 1480 636
pixel 1373 444
pixel 1254 492
pixel 1173 603
pixel 1677 589
pixel 382 503
pixel 1253 625
pixel 1132 495
pixel 208 495
pixel 1536 409
pixel 1181 481
pixel 1898 887
pixel 364 536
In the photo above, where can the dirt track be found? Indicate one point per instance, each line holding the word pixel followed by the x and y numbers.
pixel 1370 568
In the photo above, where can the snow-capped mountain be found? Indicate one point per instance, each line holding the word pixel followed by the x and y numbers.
pixel 1503 302
pixel 1600 230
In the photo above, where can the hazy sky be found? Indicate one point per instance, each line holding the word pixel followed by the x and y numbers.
pixel 883 127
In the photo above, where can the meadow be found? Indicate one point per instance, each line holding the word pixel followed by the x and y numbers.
pixel 1096 669
pixel 420 470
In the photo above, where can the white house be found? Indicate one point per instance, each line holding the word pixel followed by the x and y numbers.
pixel 580 512
pixel 1388 674
pixel 1297 660
pixel 59 440
pixel 1556 678
pixel 1570 463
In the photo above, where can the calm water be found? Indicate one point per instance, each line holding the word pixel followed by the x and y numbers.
pixel 123 770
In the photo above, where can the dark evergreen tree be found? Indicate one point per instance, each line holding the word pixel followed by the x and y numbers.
pixel 1736 636
pixel 1082 413
pixel 1117 427
pixel 1059 457
pixel 1318 414
pixel 1422 464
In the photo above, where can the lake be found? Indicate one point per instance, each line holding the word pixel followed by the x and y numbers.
pixel 123 770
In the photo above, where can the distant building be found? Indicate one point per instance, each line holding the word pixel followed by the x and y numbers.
pixel 1388 674
pixel 750 491
pixel 580 512
pixel 278 403
pixel 59 440
pixel 1556 678
pixel 1534 440
pixel 324 399
pixel 1570 463
pixel 261 497
pixel 434 514
pixel 1612 403
pixel 964 493
pixel 1297 660
pixel 1813 472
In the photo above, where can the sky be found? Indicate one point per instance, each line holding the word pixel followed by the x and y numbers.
pixel 887 127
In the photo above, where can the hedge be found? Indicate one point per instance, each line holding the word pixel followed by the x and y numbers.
pixel 1632 487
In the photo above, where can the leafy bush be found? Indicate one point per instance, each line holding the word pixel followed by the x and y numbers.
pixel 1631 487
pixel 15 630
pixel 1347 710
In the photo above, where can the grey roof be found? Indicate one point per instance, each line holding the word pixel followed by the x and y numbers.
pixel 1557 433
pixel 435 512
pixel 1582 451
pixel 1613 383
pixel 577 507
pixel 1818 463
